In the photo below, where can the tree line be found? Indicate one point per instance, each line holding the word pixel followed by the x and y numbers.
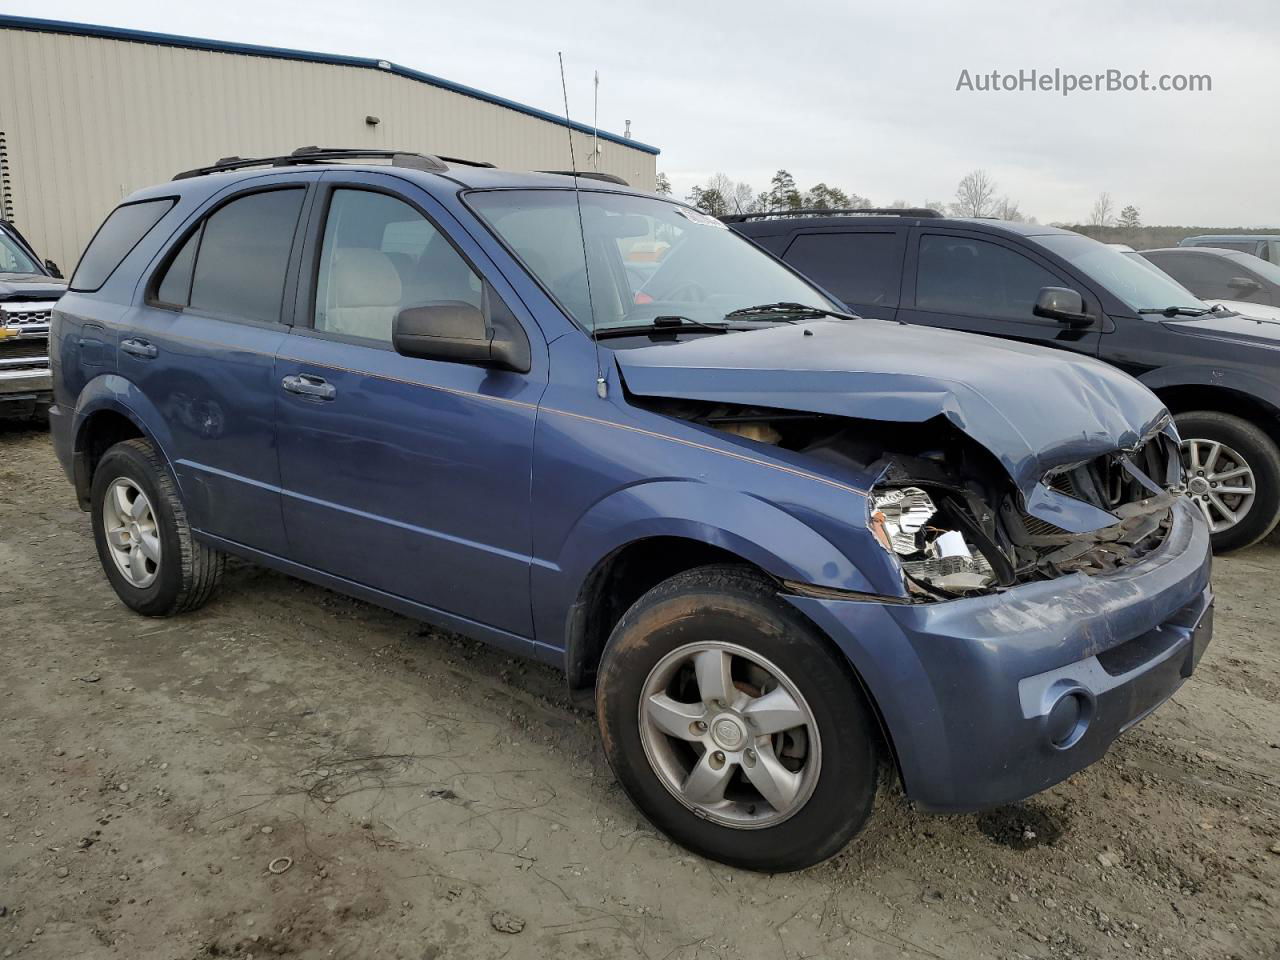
pixel 977 195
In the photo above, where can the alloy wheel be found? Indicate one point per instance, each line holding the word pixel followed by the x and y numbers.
pixel 729 735
pixel 133 537
pixel 1219 481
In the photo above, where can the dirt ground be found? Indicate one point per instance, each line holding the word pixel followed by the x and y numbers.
pixel 290 772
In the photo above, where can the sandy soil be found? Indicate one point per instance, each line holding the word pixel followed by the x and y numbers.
pixel 435 799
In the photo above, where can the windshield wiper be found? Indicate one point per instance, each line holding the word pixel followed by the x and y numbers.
pixel 787 308
pixel 1177 311
pixel 662 324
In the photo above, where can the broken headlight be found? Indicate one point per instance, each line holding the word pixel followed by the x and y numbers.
pixel 927 552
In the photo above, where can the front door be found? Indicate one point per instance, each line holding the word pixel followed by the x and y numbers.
pixel 407 476
pixel 963 281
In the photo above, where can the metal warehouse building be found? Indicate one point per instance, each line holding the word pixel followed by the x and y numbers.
pixel 88 114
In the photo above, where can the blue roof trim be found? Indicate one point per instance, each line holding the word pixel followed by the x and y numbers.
pixel 284 53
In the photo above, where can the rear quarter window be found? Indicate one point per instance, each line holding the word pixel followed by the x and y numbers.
pixel 119 234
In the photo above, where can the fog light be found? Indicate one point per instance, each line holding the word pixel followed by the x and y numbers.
pixel 1068 718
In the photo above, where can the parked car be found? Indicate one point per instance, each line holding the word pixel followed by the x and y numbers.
pixel 780 543
pixel 28 291
pixel 1213 274
pixel 1037 284
pixel 1255 311
pixel 1265 247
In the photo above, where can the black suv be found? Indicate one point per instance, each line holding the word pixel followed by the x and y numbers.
pixel 28 291
pixel 1215 370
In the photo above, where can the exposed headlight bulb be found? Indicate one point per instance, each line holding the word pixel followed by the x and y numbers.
pixel 902 513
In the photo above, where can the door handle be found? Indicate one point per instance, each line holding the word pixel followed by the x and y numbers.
pixel 142 349
pixel 305 385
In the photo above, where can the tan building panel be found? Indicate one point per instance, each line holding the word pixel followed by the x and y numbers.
pixel 88 119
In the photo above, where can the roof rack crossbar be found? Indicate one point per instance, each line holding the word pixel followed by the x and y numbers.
pixel 918 212
pixel 305 155
pixel 589 175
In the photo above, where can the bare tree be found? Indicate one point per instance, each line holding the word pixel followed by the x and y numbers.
pixel 1100 215
pixel 976 195
pixel 1006 209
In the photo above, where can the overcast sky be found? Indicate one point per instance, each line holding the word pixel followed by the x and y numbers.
pixel 858 95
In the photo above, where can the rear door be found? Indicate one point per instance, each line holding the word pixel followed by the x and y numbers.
pixel 981 283
pixel 405 475
pixel 862 268
pixel 202 349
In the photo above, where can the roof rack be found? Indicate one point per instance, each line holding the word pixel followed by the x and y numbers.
pixel 305 155
pixel 589 175
pixel 919 212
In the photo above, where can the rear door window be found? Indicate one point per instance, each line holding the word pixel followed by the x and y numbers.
pixel 118 235
pixel 235 263
pixel 964 275
pixel 862 269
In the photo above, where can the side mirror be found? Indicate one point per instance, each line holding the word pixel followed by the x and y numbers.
pixel 454 331
pixel 1064 305
pixel 53 269
pixel 1244 285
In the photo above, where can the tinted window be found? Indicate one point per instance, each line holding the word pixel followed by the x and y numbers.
pixel 119 234
pixel 862 269
pixel 966 276
pixel 175 288
pixel 244 255
pixel 1208 277
pixel 378 257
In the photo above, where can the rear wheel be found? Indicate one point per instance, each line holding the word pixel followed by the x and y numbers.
pixel 1232 475
pixel 734 725
pixel 144 542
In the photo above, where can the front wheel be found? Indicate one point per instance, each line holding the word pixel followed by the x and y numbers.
pixel 1232 474
pixel 734 725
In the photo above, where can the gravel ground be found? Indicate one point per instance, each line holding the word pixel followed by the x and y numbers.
pixel 290 772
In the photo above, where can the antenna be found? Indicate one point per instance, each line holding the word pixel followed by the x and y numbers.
pixel 602 386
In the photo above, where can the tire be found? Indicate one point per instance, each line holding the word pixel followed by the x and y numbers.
pixel 719 608
pixel 187 572
pixel 1241 442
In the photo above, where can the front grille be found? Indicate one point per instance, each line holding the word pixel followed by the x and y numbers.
pixel 23 317
pixel 15 349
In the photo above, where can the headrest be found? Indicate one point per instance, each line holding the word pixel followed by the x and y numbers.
pixel 360 277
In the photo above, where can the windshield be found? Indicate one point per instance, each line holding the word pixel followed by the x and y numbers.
pixel 1139 287
pixel 13 259
pixel 648 258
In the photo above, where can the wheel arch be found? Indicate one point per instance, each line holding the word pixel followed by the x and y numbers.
pixel 110 409
pixel 1248 398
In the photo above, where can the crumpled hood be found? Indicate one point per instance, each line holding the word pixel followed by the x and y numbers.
pixel 30 285
pixel 1033 408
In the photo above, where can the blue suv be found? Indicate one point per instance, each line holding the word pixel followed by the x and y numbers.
pixel 595 427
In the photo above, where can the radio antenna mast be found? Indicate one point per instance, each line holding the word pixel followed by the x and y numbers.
pixel 602 386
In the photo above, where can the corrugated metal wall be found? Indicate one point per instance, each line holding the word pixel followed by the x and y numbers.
pixel 87 120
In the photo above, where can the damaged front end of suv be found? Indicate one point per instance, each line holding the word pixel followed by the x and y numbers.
pixel 949 513
pixel 958 527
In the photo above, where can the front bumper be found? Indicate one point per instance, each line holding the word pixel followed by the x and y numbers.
pixel 967 688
